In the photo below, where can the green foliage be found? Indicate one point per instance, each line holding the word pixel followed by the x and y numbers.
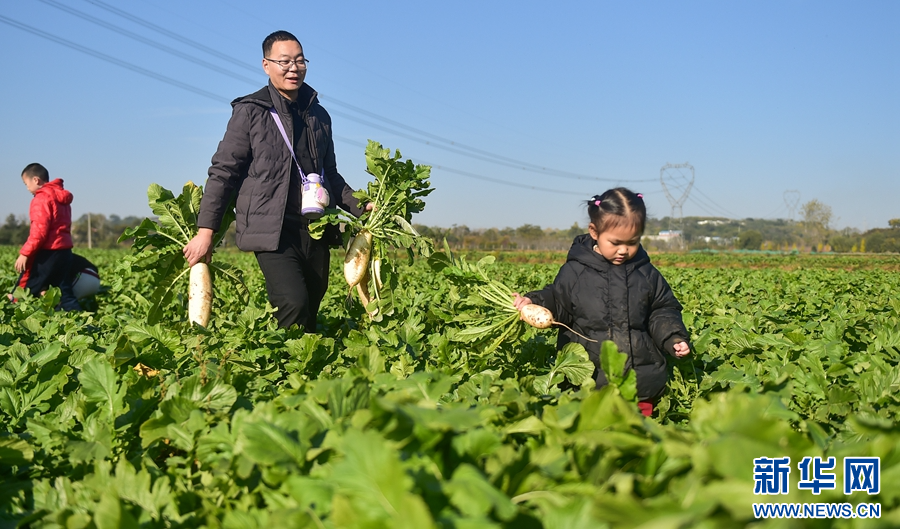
pixel 574 364
pixel 158 247
pixel 483 306
pixel 14 231
pixel 109 421
pixel 750 240
pixel 613 364
pixel 396 193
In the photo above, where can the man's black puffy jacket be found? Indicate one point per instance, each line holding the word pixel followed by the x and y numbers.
pixel 630 304
pixel 253 161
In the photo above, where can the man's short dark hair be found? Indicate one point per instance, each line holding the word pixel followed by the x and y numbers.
pixel 278 36
pixel 38 170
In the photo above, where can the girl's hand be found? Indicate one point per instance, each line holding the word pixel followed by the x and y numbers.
pixel 682 349
pixel 520 301
pixel 21 262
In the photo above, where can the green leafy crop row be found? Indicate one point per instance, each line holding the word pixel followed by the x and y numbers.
pixel 107 420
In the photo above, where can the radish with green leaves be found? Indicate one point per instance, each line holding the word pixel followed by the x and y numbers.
pixel 396 193
pixel 158 247
pixel 486 306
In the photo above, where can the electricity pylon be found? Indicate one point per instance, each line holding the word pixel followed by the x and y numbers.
pixel 676 181
pixel 791 200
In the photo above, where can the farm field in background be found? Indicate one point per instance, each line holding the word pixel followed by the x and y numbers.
pixel 108 421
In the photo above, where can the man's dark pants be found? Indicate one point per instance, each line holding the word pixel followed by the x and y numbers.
pixel 296 276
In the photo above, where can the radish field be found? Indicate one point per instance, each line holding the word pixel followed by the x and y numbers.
pixel 108 420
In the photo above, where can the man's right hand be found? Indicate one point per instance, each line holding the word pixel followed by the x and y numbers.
pixel 200 248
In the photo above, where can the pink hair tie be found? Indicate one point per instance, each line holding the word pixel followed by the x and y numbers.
pixel 596 202
pixel 640 196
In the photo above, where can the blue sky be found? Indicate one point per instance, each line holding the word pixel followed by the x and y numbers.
pixel 759 97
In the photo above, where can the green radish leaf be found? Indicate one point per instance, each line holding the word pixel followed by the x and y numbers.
pixel 574 362
pixel 474 495
pixel 15 452
pixel 110 514
pixel 165 290
pixel 267 444
pixel 99 385
pixel 613 364
pixel 373 489
pixel 543 383
pixel 395 195
pixel 214 395
pixel 235 276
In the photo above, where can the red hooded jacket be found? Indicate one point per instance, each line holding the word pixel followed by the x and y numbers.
pixel 51 219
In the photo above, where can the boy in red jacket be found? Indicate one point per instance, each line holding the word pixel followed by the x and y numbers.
pixel 45 258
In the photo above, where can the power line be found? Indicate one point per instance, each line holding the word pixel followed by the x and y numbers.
pixel 771 214
pixel 473 175
pixel 713 203
pixel 449 144
pixel 481 154
pixel 702 206
pixel 370 72
pixel 170 34
pixel 215 97
pixel 149 42
pixel 559 174
pixel 113 60
pixel 712 209
pixel 482 177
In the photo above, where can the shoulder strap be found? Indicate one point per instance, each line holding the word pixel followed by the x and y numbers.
pixel 287 142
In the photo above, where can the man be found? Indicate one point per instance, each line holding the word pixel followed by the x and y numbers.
pixel 254 167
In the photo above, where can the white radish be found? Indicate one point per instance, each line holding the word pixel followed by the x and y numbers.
pixel 376 268
pixel 356 262
pixel 200 294
pixel 537 316
pixel 362 288
pixel 541 318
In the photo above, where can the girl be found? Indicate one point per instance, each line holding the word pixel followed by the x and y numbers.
pixel 608 290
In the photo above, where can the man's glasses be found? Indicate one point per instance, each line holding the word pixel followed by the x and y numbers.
pixel 286 65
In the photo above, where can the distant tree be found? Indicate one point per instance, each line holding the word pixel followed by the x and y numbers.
pixel 875 242
pixel 529 231
pixel 14 231
pixel 530 235
pixel 883 240
pixel 575 231
pixel 842 243
pixel 816 220
pixel 894 223
pixel 750 240
pixel 490 239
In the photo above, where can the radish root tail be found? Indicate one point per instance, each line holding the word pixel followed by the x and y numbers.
pixel 573 330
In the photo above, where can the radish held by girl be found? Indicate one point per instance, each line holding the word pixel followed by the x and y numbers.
pixel 608 290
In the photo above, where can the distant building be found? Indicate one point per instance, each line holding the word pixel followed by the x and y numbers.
pixel 720 241
pixel 664 236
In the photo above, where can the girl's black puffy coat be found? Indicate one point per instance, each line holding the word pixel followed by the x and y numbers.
pixel 630 304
